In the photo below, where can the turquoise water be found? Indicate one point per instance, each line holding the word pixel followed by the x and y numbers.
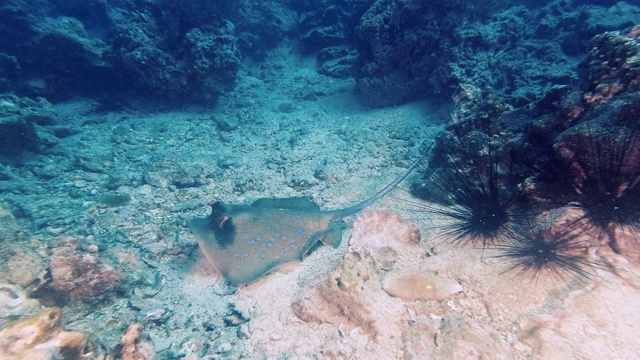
pixel 122 121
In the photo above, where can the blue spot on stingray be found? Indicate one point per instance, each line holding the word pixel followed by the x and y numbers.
pixel 292 241
pixel 245 255
pixel 236 256
pixel 286 249
pixel 258 239
pixel 262 255
pixel 294 247
pixel 252 242
pixel 272 240
pixel 278 235
pixel 300 231
pixel 269 245
pixel 269 227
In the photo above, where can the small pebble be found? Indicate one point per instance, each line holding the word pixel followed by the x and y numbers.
pixel 224 348
pixel 157 316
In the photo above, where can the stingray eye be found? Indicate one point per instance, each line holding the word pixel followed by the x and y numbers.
pixel 223 221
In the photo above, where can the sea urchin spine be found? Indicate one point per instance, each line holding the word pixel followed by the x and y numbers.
pixel 605 166
pixel 560 251
pixel 481 209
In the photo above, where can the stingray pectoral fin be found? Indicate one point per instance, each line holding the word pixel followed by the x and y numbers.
pixel 296 203
pixel 333 236
pixel 206 239
pixel 330 237
pixel 239 273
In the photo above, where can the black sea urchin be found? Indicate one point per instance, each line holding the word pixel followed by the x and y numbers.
pixel 606 176
pixel 535 249
pixel 481 208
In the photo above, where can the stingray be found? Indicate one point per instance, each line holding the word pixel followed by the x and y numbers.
pixel 245 242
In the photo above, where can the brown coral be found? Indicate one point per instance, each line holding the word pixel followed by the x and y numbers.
pixel 135 346
pixel 80 275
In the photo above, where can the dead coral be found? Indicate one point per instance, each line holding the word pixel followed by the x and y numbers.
pixel 385 237
pixel 21 264
pixel 336 299
pixel 42 337
pixel 379 228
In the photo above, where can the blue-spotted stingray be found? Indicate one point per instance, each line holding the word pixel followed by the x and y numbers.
pixel 245 242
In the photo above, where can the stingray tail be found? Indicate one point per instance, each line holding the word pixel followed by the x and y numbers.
pixel 358 207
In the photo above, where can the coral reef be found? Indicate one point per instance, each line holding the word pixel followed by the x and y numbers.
pixel 329 24
pixel 62 56
pixel 406 48
pixel 397 51
pixel 94 204
pixel 568 149
pixel 612 66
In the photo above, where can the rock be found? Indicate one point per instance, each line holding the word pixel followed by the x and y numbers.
pixel 15 303
pixel 234 317
pixel 226 123
pixel 17 135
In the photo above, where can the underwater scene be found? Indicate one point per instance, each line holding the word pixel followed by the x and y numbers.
pixel 328 179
